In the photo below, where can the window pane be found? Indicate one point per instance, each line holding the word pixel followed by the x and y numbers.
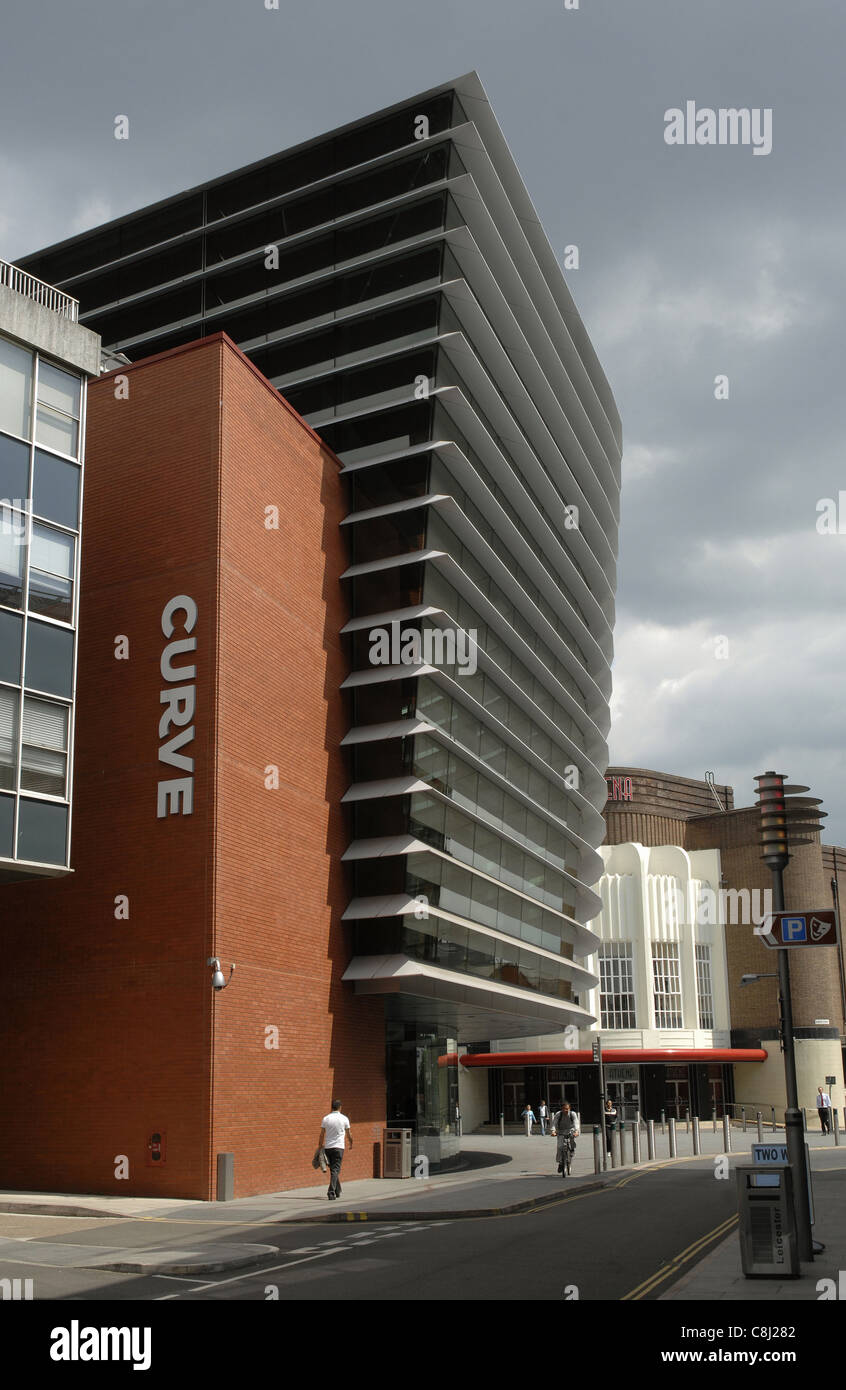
pixel 10 647
pixel 8 736
pixel 42 832
pixel 42 771
pixel 49 659
pixel 56 489
pixel 58 388
pixel 45 724
pixel 14 470
pixel 11 557
pixel 15 388
pixel 55 431
pixel 50 589
pixel 51 597
pixel 52 551
pixel 7 825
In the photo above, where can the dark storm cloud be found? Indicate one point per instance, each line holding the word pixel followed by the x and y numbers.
pixel 694 262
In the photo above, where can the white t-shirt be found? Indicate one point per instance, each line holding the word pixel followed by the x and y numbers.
pixel 335 1125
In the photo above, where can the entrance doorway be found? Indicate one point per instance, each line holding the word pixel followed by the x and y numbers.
pixel 559 1091
pixel 676 1092
pixel 622 1088
pixel 562 1084
pixel 513 1095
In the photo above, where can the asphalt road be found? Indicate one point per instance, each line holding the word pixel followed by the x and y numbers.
pixel 629 1241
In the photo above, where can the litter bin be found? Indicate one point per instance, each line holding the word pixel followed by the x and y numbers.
pixel 396 1151
pixel 767 1224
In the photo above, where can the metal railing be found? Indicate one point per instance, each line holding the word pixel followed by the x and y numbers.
pixel 39 290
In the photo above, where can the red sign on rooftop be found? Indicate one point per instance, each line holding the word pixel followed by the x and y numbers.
pixel 620 788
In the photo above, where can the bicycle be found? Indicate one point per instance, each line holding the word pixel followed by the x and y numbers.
pixel 568 1149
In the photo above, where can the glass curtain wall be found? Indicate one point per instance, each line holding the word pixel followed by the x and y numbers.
pixel 41 408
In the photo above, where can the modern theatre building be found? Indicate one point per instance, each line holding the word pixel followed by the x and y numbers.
pixel 391 794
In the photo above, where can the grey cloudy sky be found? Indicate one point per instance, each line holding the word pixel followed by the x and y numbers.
pixel 694 262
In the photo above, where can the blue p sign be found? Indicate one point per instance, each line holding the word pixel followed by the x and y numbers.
pixel 794 929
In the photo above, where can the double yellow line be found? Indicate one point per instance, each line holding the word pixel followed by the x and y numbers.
pixel 673 1268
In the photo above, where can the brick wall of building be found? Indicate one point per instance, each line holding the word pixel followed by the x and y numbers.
pixel 652 807
pixel 110 1029
pixel 106 1022
pixel 281 885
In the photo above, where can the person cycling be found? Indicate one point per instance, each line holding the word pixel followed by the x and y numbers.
pixel 566 1125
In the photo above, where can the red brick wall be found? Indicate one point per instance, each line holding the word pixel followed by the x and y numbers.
pixel 106 1023
pixel 281 886
pixel 110 1029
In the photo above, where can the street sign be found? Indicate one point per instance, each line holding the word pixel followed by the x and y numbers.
pixel 777 1153
pixel 597 1050
pixel 784 931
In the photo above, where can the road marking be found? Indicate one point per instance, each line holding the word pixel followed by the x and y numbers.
pixel 677 1261
pixel 350 1243
pixel 179 1278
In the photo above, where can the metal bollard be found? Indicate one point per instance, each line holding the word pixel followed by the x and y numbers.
pixel 615 1147
pixel 687 1121
pixel 836 1130
pixel 760 1120
pixel 502 1124
pixel 743 1117
pixel 672 1137
pixel 663 1122
pixel 714 1119
pixel 597 1149
pixel 650 1139
pixel 772 1107
pixel 804 1120
pixel 726 1134
pixel 635 1142
pixel 697 1138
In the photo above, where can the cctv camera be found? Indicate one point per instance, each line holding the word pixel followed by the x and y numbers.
pixel 218 982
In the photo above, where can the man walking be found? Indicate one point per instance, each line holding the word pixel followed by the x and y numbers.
pixel 824 1108
pixel 335 1128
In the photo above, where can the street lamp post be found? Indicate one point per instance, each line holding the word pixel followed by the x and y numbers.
pixel 774 821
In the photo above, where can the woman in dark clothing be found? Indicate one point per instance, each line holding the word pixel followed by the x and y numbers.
pixel 610 1121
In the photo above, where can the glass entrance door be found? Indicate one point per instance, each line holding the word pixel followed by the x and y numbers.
pixel 676 1092
pixel 559 1091
pixel 622 1088
pixel 513 1097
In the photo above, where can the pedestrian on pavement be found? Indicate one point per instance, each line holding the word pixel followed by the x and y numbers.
pixel 610 1121
pixel 334 1128
pixel 543 1116
pixel 824 1108
pixel 529 1116
pixel 566 1125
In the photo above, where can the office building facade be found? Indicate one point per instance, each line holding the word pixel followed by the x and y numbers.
pixel 46 359
pixel 392 281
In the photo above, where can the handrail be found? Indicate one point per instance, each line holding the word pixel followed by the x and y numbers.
pixel 47 295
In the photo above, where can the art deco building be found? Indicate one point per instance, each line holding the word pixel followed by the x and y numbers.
pixel 393 282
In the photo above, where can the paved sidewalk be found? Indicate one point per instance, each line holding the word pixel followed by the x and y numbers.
pixel 719 1276
pixel 502 1175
